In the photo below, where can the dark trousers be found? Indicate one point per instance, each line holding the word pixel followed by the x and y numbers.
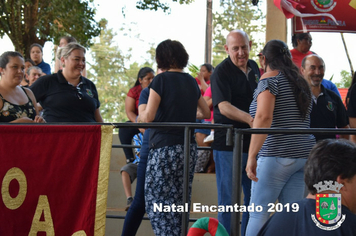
pixel 137 209
pixel 125 136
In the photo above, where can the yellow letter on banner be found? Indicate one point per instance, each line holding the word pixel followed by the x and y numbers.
pixel 14 173
pixel 80 233
pixel 47 224
pixel 353 4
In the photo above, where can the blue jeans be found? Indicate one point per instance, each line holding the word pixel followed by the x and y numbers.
pixel 278 178
pixel 223 168
pixel 137 210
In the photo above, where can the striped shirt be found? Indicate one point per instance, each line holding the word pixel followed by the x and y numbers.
pixel 285 115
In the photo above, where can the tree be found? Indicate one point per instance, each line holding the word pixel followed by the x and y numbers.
pixel 236 14
pixel 108 72
pixel 156 4
pixel 345 79
pixel 110 75
pixel 37 21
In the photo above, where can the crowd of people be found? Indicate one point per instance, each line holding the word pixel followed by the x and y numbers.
pixel 286 90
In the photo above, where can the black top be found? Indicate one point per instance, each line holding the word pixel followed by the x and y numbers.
pixel 179 94
pixel 328 112
pixel 63 102
pixel 229 83
pixel 10 112
pixel 351 107
pixel 300 223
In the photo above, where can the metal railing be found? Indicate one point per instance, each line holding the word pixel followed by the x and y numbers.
pixel 187 136
pixel 234 137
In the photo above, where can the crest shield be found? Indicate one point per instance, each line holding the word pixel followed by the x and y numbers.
pixel 328 208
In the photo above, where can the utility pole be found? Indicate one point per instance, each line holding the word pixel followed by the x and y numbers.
pixel 347 54
pixel 209 31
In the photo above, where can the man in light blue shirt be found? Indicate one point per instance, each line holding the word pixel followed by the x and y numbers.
pixel 330 85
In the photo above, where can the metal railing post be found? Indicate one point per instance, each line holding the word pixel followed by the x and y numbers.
pixel 236 182
pixel 185 216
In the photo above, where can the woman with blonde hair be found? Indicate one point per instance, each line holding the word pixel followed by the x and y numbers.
pixel 67 96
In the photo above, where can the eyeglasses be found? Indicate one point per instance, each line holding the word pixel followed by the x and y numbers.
pixel 307 39
pixel 79 93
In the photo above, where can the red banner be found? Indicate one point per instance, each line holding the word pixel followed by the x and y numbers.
pixel 54 179
pixel 327 16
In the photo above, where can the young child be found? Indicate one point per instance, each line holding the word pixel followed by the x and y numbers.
pixel 129 171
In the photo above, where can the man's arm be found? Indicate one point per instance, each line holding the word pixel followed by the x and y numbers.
pixel 233 113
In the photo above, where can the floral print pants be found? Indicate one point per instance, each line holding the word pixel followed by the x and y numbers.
pixel 164 185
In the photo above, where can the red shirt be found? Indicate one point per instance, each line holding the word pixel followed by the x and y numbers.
pixel 208 94
pixel 135 94
pixel 198 81
pixel 297 56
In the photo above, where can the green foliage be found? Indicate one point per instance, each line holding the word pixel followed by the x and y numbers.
pixel 346 79
pixel 236 14
pixel 331 78
pixel 193 69
pixel 157 4
pixel 37 21
pixel 110 75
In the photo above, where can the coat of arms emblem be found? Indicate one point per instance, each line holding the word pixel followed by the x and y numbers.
pixel 328 206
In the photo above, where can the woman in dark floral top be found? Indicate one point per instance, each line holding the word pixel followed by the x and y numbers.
pixel 17 104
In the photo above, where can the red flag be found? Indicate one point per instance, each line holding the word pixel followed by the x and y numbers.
pixel 287 12
pixel 330 16
pixel 54 179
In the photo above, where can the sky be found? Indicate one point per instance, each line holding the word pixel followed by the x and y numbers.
pixel 186 23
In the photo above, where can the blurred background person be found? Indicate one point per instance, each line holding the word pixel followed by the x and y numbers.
pixel 301 47
pixel 144 78
pixel 351 106
pixel 129 171
pixel 32 74
pixel 63 42
pixel 208 140
pixel 36 54
pixel 262 65
pixel 282 99
pixel 67 96
pixel 174 97
pixel 28 64
pixel 17 104
pixel 353 81
pixel 203 78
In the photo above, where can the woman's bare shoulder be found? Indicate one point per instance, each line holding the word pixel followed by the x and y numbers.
pixel 269 74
